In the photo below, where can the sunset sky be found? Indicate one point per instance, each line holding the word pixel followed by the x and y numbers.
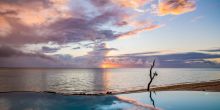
pixel 109 33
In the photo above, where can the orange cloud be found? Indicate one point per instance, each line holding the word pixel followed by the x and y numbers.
pixel 215 60
pixel 131 3
pixel 5 27
pixel 36 13
pixel 176 7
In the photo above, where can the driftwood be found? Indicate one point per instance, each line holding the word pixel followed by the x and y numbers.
pixel 152 75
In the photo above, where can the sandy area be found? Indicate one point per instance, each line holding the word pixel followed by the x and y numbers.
pixel 212 86
pixel 202 86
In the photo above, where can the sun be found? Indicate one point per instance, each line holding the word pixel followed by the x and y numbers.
pixel 109 65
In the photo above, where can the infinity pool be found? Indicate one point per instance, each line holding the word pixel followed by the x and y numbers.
pixel 166 100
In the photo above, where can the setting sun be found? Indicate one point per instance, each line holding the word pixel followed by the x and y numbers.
pixel 110 65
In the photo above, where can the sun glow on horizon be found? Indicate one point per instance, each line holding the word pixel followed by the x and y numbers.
pixel 110 65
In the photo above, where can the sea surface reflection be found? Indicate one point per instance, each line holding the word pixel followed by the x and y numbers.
pixel 97 80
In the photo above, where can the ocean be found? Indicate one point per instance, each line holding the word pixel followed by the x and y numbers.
pixel 98 80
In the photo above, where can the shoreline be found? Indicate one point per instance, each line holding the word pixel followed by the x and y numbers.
pixel 212 86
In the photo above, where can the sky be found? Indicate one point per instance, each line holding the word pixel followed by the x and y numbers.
pixel 110 33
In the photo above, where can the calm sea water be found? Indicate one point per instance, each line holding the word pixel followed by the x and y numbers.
pixel 97 80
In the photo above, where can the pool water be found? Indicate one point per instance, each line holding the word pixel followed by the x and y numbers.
pixel 164 100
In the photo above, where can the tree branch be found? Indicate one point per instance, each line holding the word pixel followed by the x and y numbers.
pixel 152 76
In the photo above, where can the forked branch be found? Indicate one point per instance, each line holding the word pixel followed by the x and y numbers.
pixel 152 75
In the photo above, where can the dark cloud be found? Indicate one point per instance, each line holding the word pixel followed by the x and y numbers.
pixel 45 49
pixel 100 50
pixel 98 56
pixel 94 58
pixel 7 12
pixel 177 60
pixel 141 53
pixel 61 32
pixel 76 48
pixel 211 50
pixel 100 3
pixel 7 52
pixel 28 61
pixel 102 47
pixel 188 56
pixel 108 49
pixel 11 57
pixel 77 30
pixel 185 60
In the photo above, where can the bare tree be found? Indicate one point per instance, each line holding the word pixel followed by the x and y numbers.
pixel 152 75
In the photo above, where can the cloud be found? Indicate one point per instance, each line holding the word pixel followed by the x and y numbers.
pixel 8 12
pixel 176 60
pixel 7 52
pixel 176 7
pixel 24 20
pixel 92 23
pixel 35 12
pixel 136 31
pixel 213 60
pixel 47 24
pixel 212 50
pixel 100 3
pixel 93 59
pixel 182 59
pixel 98 58
pixel 135 4
pixel 76 48
pixel 45 49
pixel 5 27
pixel 33 22
pixel 43 21
pixel 141 53
pixel 63 31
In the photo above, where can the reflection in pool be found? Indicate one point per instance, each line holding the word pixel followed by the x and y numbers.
pixel 167 100
pixel 151 98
